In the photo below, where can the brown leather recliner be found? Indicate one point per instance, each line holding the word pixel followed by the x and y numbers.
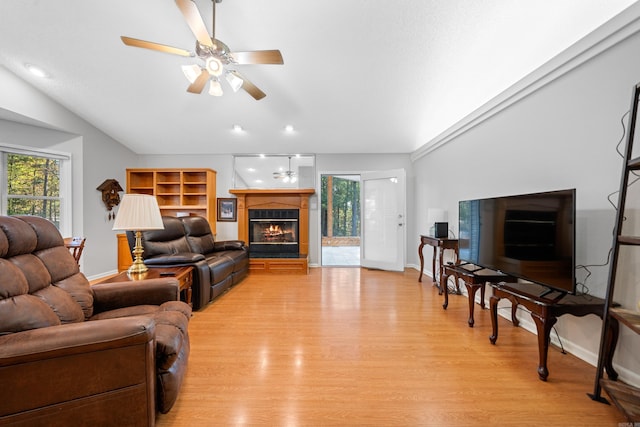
pixel 76 354
pixel 218 265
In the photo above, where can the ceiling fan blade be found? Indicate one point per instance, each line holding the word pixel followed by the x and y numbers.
pixel 249 87
pixel 201 81
pixel 155 46
pixel 194 21
pixel 258 57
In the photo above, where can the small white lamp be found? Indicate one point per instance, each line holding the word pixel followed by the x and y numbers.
pixel 138 212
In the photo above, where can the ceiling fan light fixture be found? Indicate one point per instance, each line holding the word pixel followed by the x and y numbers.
pixel 234 81
pixel 215 89
pixel 191 72
pixel 214 66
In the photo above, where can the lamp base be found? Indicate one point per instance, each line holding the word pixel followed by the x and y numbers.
pixel 138 265
pixel 137 268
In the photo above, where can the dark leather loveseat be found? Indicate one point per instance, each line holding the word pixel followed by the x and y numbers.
pixel 76 354
pixel 189 241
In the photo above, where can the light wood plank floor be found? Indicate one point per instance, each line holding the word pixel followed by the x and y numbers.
pixel 355 347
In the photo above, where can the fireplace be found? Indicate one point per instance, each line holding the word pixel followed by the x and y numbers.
pixel 273 232
pixel 276 200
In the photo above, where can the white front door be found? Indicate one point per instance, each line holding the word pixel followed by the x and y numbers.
pixel 383 219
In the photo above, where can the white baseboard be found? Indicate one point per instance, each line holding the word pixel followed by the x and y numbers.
pixel 102 275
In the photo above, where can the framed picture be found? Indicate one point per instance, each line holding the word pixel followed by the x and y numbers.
pixel 227 209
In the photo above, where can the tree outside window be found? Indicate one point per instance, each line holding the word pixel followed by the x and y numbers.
pixel 33 186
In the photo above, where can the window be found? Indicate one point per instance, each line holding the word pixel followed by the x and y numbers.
pixel 33 184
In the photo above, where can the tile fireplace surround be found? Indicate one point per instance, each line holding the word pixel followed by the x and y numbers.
pixel 295 198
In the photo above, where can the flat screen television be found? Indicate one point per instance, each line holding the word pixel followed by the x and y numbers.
pixel 528 236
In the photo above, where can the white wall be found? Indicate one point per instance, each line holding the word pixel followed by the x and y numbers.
pixel 96 157
pixel 561 135
pixel 342 163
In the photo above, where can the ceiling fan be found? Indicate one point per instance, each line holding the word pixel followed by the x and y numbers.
pixel 216 56
pixel 286 176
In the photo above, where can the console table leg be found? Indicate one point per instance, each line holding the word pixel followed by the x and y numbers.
pixel 493 307
pixel 514 310
pixel 433 266
pixel 421 260
pixel 544 331
pixel 444 288
pixel 471 291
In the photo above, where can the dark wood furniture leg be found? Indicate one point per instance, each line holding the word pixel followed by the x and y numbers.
pixel 421 260
pixel 472 288
pixel 545 312
pixel 433 265
pixel 444 277
pixel 493 308
pixel 544 323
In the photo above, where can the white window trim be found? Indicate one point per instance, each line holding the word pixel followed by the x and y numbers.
pixel 66 211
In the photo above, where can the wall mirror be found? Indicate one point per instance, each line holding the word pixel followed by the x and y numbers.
pixel 274 171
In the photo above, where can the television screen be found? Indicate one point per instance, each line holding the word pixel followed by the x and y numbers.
pixel 529 236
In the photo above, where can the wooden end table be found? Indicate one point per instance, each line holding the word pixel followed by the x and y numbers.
pixel 439 245
pixel 183 274
pixel 474 278
pixel 545 310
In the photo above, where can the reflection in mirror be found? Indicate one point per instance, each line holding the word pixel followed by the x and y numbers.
pixel 274 171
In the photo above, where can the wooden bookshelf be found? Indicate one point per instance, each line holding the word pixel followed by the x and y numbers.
pixel 178 191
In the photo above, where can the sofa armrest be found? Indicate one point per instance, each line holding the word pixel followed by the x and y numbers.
pixel 228 245
pixel 63 373
pixel 74 338
pixel 181 258
pixel 111 296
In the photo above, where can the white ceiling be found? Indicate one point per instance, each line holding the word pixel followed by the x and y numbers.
pixel 359 76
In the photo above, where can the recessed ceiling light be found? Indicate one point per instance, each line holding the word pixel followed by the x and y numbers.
pixel 36 71
pixel 237 128
pixel 288 128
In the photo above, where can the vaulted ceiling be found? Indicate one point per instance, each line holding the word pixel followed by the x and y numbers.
pixel 359 76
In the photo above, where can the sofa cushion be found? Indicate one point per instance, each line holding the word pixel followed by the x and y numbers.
pixel 50 264
pixel 239 258
pixel 21 239
pixel 170 240
pixel 221 267
pixel 199 234
pixel 20 311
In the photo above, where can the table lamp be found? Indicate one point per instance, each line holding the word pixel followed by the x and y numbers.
pixel 138 212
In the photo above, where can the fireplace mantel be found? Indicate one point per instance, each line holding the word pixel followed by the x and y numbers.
pixel 280 198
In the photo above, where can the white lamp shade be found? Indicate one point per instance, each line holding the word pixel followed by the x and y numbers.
pixel 214 88
pixel 138 212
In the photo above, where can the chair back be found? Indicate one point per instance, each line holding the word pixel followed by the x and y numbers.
pixel 75 246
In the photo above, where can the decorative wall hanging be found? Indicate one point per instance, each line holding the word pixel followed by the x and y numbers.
pixel 227 209
pixel 110 197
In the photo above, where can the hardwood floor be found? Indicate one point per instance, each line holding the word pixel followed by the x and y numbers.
pixel 355 347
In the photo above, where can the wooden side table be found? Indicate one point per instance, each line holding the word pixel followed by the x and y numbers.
pixel 545 311
pixel 183 274
pixel 439 244
pixel 474 278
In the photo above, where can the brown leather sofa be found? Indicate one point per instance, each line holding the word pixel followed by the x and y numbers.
pixel 188 241
pixel 76 354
